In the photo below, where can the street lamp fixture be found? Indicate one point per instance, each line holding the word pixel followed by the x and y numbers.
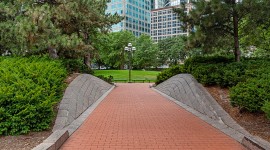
pixel 129 49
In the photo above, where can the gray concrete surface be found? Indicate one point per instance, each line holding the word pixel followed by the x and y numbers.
pixel 82 92
pixel 185 91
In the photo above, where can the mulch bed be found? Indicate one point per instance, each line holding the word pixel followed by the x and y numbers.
pixel 255 123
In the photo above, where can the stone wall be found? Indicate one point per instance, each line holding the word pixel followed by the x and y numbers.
pixel 81 93
pixel 185 88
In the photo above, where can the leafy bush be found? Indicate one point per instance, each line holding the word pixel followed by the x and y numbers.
pixel 29 89
pixel 216 70
pixel 266 109
pixel 168 73
pixel 76 65
pixel 108 79
pixel 208 74
pixel 193 62
pixel 251 95
pixel 249 79
pixel 232 74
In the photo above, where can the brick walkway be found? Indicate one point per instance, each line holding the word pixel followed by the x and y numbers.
pixel 135 117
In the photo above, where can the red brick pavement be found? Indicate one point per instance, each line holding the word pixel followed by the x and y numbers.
pixel 135 117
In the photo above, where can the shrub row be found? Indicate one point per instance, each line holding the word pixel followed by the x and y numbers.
pixel 30 87
pixel 76 65
pixel 249 80
pixel 167 73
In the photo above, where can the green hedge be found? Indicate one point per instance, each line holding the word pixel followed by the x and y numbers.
pixel 249 80
pixel 29 89
pixel 251 95
pixel 167 73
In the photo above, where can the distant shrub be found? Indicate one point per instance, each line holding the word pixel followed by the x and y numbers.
pixel 193 62
pixel 30 87
pixel 77 66
pixel 168 73
pixel 108 79
pixel 215 70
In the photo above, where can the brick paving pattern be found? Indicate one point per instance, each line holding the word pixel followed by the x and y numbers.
pixel 135 117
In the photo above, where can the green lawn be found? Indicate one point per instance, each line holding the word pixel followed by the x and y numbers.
pixel 123 74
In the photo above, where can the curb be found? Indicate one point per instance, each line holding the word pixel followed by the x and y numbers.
pixel 58 137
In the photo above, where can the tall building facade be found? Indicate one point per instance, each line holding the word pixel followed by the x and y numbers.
pixel 164 22
pixel 136 15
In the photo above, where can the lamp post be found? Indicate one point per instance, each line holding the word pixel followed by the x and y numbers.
pixel 129 49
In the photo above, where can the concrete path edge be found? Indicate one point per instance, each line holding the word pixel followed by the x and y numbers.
pixel 239 134
pixel 58 137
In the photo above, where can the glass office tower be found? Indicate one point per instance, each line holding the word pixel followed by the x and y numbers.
pixel 136 15
pixel 166 3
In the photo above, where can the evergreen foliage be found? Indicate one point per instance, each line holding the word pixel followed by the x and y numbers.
pixel 216 23
pixel 30 88
pixel 68 27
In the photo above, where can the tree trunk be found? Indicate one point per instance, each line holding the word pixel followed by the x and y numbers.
pixel 122 61
pixel 237 52
pixel 87 59
pixel 53 53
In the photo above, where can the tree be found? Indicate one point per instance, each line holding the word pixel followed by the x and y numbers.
pixel 172 50
pixel 146 53
pixel 64 28
pixel 260 38
pixel 215 23
pixel 111 48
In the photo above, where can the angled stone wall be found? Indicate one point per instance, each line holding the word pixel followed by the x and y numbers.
pixel 81 93
pixel 185 88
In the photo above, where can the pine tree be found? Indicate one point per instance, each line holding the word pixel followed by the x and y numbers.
pixel 65 28
pixel 215 23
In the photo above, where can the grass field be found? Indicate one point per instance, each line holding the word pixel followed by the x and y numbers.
pixel 123 74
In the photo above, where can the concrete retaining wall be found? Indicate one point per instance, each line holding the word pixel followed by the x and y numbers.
pixel 82 92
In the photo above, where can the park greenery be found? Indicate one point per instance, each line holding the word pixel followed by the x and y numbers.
pixel 75 33
pixel 31 83
pixel 30 88
pixel 123 74
pixel 65 29
pixel 148 54
pixel 248 80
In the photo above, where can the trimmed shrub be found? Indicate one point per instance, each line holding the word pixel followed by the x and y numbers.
pixel 266 109
pixel 193 62
pixel 30 87
pixel 170 72
pixel 251 95
pixel 208 74
pixel 249 79
pixel 232 74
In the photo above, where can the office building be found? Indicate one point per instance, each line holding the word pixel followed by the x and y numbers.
pixel 164 22
pixel 136 15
